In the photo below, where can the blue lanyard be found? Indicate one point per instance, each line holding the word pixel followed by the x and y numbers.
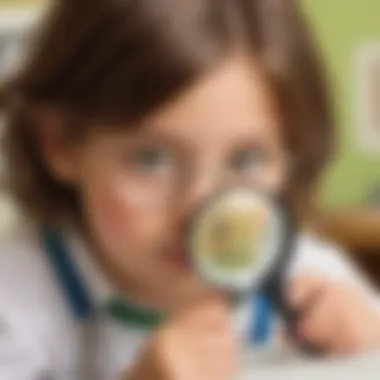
pixel 263 320
pixel 75 289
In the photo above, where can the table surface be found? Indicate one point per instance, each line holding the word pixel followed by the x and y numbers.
pixel 281 366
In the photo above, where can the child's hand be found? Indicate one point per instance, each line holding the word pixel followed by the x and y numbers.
pixel 339 317
pixel 198 344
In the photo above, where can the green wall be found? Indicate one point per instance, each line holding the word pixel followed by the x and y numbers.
pixel 342 26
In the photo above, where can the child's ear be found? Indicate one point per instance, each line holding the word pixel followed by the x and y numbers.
pixel 58 151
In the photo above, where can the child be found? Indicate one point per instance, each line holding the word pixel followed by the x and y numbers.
pixel 126 116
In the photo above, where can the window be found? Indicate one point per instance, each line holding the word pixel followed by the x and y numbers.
pixel 15 23
pixel 368 96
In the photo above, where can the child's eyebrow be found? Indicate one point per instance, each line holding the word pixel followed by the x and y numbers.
pixel 245 138
pixel 149 136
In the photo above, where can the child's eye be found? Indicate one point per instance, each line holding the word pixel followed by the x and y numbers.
pixel 152 159
pixel 247 160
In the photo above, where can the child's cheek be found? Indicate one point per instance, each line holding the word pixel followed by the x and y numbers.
pixel 124 216
pixel 118 219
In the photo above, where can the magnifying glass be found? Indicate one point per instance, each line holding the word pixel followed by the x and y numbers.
pixel 241 242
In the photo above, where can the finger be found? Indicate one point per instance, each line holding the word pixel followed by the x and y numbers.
pixel 318 325
pixel 214 340
pixel 218 358
pixel 213 354
pixel 218 368
pixel 286 339
pixel 337 346
pixel 351 337
pixel 213 313
pixel 305 290
pixel 204 302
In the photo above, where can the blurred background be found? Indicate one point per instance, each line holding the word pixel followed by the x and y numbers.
pixel 349 35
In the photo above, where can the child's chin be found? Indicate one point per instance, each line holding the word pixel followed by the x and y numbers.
pixel 181 293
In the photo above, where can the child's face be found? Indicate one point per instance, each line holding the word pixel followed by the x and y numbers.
pixel 140 189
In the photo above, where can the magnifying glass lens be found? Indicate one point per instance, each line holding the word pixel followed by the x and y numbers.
pixel 235 239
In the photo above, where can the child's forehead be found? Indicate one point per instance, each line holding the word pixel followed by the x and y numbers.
pixel 232 98
pixel 237 80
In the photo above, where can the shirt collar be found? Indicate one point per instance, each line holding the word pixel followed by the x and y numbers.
pixel 99 287
pixel 103 295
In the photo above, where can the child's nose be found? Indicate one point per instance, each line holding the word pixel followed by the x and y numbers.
pixel 194 195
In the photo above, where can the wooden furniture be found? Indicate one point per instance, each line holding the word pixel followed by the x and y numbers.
pixel 357 231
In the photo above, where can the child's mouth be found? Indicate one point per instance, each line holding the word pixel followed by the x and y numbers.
pixel 180 258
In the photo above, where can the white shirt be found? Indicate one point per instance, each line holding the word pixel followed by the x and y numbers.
pixel 39 336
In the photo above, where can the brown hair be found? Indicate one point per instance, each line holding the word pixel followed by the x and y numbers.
pixel 117 60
